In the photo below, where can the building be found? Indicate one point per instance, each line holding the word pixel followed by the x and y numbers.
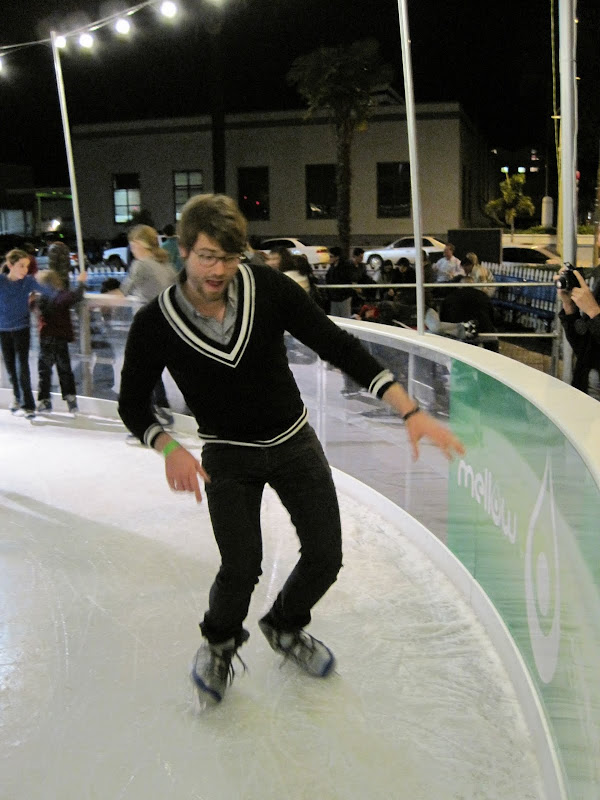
pixel 281 168
pixel 16 200
pixel 30 212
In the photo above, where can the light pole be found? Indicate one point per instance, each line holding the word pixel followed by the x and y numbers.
pixel 568 146
pixel 415 190
pixel 67 135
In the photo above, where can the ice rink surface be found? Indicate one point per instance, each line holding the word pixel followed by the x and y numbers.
pixel 104 574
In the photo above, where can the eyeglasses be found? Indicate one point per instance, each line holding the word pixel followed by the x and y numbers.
pixel 208 259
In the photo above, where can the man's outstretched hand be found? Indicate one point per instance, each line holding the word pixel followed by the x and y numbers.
pixel 421 425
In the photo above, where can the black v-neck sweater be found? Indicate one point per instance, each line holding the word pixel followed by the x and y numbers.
pixel 242 392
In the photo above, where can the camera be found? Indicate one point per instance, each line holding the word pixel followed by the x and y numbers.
pixel 568 280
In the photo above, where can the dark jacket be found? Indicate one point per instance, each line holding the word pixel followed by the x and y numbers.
pixel 467 303
pixel 55 313
pixel 342 272
pixel 583 334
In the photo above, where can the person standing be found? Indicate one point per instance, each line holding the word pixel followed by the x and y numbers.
pixel 150 273
pixel 59 260
pixel 360 275
pixel 56 331
pixel 448 267
pixel 16 288
pixel 580 318
pixel 171 247
pixel 219 330
pixel 476 272
pixel 340 271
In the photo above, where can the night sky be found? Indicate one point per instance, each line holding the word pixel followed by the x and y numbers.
pixel 494 58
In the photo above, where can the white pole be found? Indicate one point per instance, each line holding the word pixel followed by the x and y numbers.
pixel 66 132
pixel 568 138
pixel 415 191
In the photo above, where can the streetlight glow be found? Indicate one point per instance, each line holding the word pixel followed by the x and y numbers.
pixel 122 26
pixel 86 40
pixel 61 41
pixel 168 9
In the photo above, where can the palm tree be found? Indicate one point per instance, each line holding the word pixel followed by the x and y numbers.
pixel 512 204
pixel 340 81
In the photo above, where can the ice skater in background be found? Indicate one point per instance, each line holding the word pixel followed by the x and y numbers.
pixel 220 331
pixel 149 274
pixel 16 287
pixel 56 331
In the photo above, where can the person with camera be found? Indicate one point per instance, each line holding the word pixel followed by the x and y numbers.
pixel 580 318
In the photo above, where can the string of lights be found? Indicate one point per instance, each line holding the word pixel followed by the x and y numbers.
pixel 84 33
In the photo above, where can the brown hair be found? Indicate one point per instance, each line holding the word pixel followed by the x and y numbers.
pixel 16 255
pixel 148 237
pixel 51 278
pixel 216 216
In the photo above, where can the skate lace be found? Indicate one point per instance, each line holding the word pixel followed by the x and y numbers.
pixel 223 666
pixel 302 649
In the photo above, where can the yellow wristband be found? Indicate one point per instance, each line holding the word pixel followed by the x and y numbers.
pixel 169 447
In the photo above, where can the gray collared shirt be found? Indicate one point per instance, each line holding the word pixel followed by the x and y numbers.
pixel 220 332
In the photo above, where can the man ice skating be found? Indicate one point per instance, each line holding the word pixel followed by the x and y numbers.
pixel 219 330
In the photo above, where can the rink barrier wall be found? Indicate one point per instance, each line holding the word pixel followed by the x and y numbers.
pixel 522 518
pixel 486 613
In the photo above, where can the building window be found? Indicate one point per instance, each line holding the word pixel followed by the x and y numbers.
pixel 253 192
pixel 185 185
pixel 321 191
pixel 393 189
pixel 126 195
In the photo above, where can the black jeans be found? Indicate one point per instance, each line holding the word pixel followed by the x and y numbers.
pixel 15 352
pixel 55 351
pixel 298 471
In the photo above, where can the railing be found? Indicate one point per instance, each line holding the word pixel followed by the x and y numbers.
pixel 529 303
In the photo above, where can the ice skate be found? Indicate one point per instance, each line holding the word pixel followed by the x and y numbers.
pixel 212 669
pixel 309 653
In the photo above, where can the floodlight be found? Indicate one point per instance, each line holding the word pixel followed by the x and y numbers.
pixel 168 9
pixel 86 40
pixel 122 26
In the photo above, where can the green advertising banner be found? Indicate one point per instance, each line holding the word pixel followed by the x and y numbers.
pixel 523 517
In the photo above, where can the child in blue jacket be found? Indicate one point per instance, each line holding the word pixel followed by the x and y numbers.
pixel 16 286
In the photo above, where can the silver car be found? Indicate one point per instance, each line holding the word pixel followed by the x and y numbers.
pixel 318 255
pixel 403 248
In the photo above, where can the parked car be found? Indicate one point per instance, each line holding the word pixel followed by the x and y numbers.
pixel 403 248
pixel 316 254
pixel 535 254
pixel 117 257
